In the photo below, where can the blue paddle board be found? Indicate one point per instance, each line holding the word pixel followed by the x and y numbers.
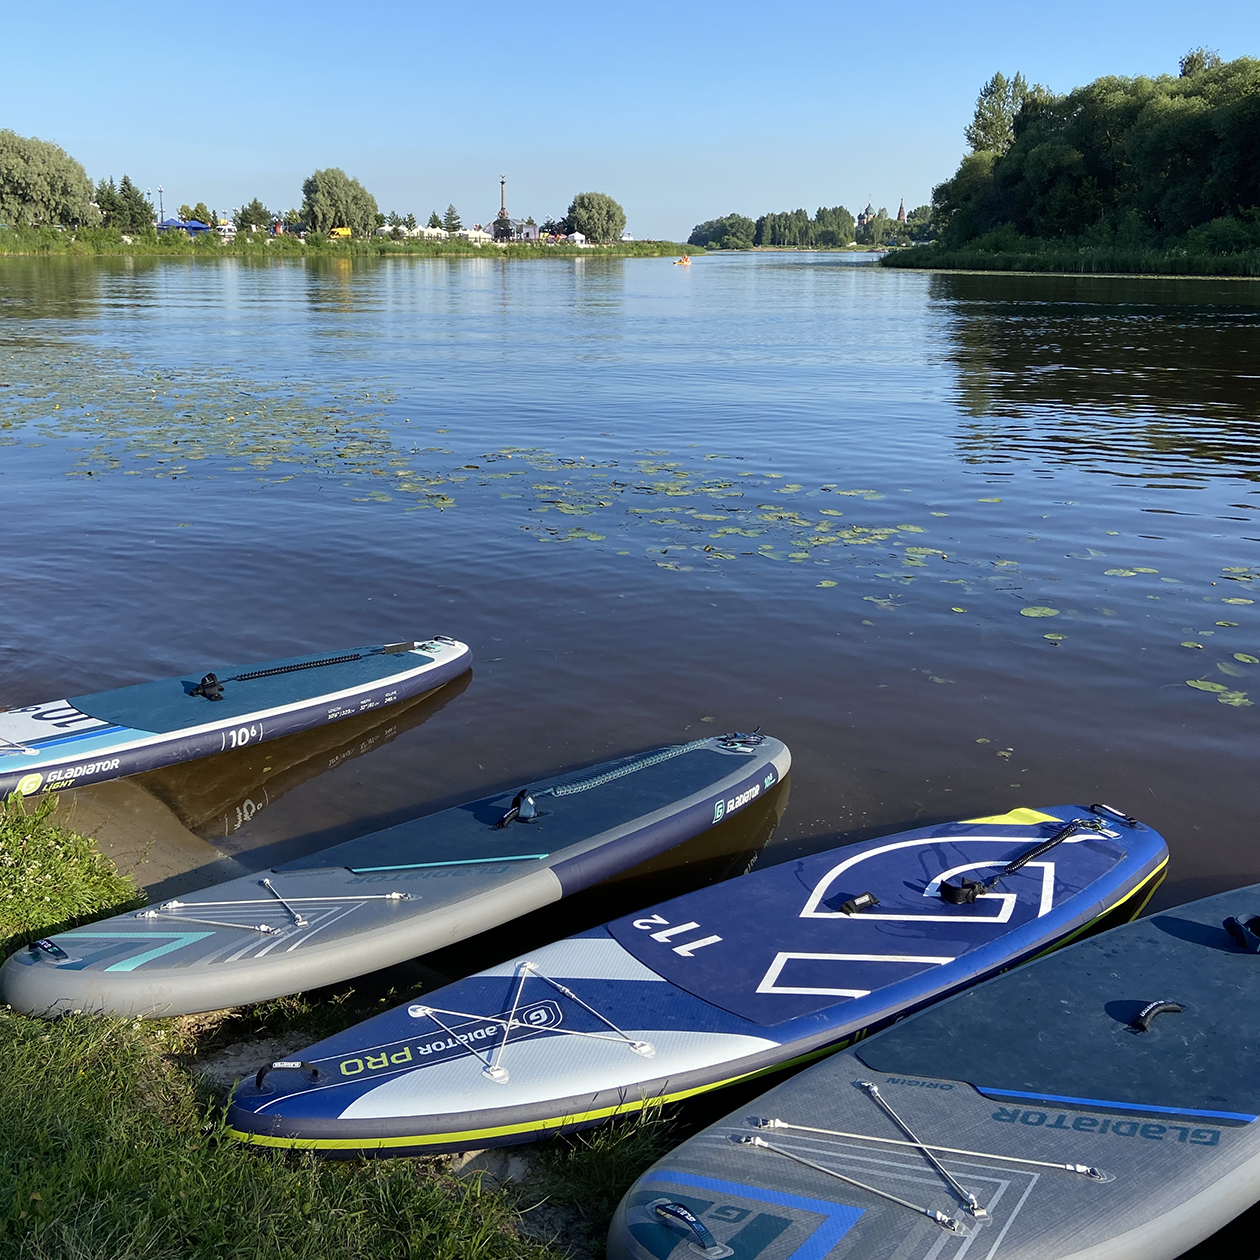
pixel 88 739
pixel 716 986
pixel 1100 1103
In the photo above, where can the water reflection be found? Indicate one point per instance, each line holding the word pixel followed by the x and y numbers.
pixel 217 797
pixel 1136 376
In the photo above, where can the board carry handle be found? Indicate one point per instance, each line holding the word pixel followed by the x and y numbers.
pixel 679 1216
pixel 1245 932
pixel 298 1065
pixel 1141 1022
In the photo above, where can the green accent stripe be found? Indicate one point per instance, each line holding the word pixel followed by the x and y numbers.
pixel 417 866
pixel 180 939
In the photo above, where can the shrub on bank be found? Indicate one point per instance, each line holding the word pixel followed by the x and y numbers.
pixel 51 877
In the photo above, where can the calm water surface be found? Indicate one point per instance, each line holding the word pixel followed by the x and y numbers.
pixel 964 542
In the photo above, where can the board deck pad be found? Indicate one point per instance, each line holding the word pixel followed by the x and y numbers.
pixel 107 734
pixel 393 894
pixel 1115 1179
pixel 713 986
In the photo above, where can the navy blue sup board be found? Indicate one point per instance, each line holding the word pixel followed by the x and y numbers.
pixel 716 986
pixel 395 894
pixel 1102 1103
pixel 87 739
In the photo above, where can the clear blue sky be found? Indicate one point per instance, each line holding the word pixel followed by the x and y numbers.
pixel 680 111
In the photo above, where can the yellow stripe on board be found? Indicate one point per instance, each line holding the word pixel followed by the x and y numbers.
pixel 1016 818
pixel 471 1136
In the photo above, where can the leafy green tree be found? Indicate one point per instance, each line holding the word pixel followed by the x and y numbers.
pixel 992 130
pixel 919 225
pixel 597 216
pixel 393 219
pixel 292 218
pixel 410 222
pixel 106 198
pixel 835 220
pixel 733 231
pixel 1137 163
pixel 434 220
pixel 332 199
pixel 254 215
pixel 198 212
pixel 450 220
pixel 1199 59
pixel 41 183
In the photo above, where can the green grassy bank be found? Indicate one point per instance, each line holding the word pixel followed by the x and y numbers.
pixel 1076 260
pixel 112 1143
pixel 106 241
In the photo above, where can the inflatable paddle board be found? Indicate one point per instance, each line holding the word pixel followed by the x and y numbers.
pixel 1102 1103
pixel 87 739
pixel 715 986
pixel 389 896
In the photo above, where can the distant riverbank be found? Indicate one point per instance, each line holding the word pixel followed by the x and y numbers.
pixel 1078 260
pixel 94 242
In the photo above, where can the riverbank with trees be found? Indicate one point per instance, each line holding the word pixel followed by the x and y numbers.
pixel 85 242
pixel 1156 176
pixel 830 228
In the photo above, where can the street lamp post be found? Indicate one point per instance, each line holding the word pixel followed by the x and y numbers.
pixel 161 209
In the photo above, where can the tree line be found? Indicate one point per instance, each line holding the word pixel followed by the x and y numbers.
pixel 830 228
pixel 41 184
pixel 1171 162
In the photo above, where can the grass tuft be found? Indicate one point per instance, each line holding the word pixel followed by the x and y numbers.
pixel 52 878
pixel 111 1153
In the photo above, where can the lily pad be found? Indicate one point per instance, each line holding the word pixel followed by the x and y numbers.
pixel 1246 660
pixel 958 610
pixel 988 500
pixel 1232 670
pixel 1201 684
pixel 1038 610
pixel 1121 572
pixel 826 584
pixel 1055 638
pixel 1188 644
pixel 1228 624
pixel 1238 601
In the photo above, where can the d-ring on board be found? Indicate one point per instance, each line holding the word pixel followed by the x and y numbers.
pixel 823 887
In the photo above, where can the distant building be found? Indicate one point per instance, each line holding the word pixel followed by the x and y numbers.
pixel 429 233
pixel 901 212
pixel 506 228
pixel 867 216
pixel 626 237
pixel 576 238
pixel 475 236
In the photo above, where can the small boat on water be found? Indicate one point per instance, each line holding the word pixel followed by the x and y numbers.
pixel 719 985
pixel 684 261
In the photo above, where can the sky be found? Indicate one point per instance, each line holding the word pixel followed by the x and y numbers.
pixel 682 112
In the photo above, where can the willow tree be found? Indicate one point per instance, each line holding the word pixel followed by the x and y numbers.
pixel 330 199
pixel 597 216
pixel 41 183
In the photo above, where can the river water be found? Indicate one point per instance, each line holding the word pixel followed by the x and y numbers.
pixel 964 542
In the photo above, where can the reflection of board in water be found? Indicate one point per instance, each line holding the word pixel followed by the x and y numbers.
pixel 215 798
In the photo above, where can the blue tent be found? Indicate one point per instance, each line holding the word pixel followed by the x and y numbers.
pixel 193 227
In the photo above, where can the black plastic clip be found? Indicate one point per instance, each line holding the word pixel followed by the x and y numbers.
pixel 963 894
pixel 1141 1022
pixel 51 948
pixel 523 810
pixel 210 687
pixel 1246 932
pixel 863 901
pixel 308 1069
pixel 1112 812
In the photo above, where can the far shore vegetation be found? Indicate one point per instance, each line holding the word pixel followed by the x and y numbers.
pixel 114 1136
pixel 1154 176
pixel 97 241
pixel 48 205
